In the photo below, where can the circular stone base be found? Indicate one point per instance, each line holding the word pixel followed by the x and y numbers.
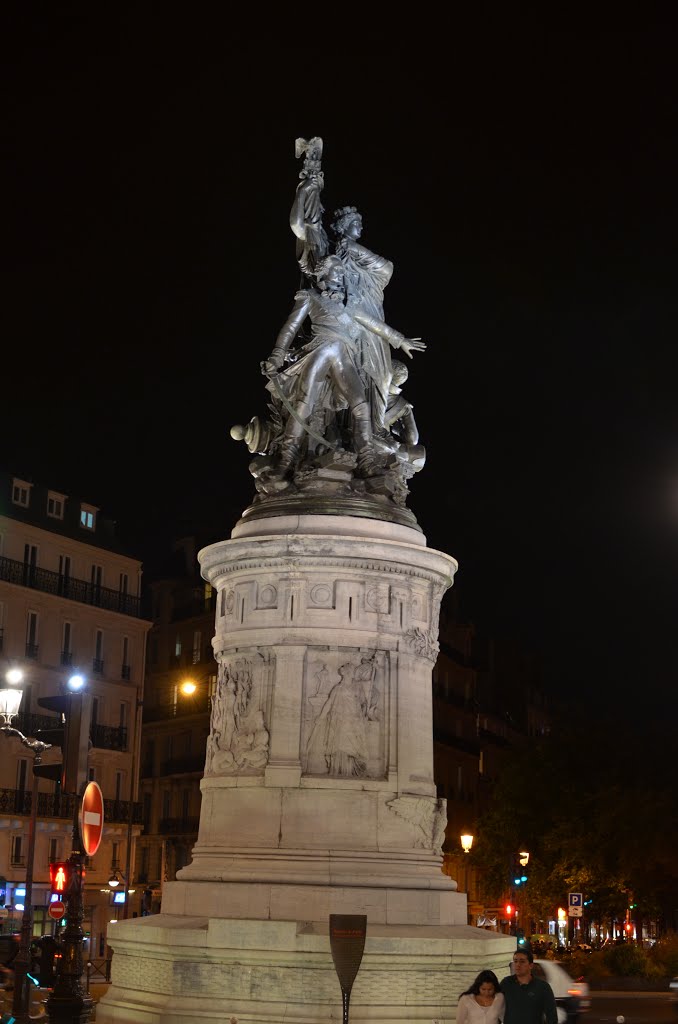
pixel 362 507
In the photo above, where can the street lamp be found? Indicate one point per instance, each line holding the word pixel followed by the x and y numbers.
pixel 115 879
pixel 466 844
pixel 10 700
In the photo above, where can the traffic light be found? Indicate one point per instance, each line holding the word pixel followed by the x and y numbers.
pixel 519 875
pixel 60 873
pixel 521 941
pixel 509 909
pixel 72 735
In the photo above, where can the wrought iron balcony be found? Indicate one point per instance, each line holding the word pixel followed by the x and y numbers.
pixel 67 657
pixel 29 724
pixel 125 671
pixel 12 571
pixel 31 650
pixel 195 705
pixel 108 737
pixel 178 826
pixel 61 805
pixel 98 666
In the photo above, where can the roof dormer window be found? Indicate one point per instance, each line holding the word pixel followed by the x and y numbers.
pixel 55 504
pixel 21 493
pixel 88 517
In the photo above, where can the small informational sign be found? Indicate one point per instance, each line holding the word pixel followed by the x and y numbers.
pixel 92 818
pixel 56 910
pixel 4 912
pixel 347 944
pixel 119 897
pixel 575 904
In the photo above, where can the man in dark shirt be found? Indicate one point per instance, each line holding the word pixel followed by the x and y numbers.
pixel 528 1000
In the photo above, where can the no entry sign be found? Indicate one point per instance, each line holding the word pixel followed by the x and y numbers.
pixel 92 818
pixel 56 910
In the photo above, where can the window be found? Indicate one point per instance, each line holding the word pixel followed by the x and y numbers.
pixel 98 663
pixel 66 644
pixel 55 504
pixel 145 857
pixel 30 563
pixel 53 850
pixel 125 670
pixel 21 493
pixel 115 855
pixel 124 582
pixel 197 646
pixel 88 517
pixel 17 843
pixel 166 803
pixel 96 576
pixel 95 710
pixel 118 786
pixel 185 801
pixel 212 685
pixel 90 773
pixel 32 635
pixel 21 772
pixel 124 713
pixel 177 647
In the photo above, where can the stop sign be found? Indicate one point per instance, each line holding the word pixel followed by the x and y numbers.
pixel 56 910
pixel 92 818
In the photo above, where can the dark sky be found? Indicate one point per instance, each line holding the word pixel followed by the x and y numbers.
pixel 522 179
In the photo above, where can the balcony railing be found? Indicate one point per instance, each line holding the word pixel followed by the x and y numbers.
pixel 31 650
pixel 29 724
pixel 178 826
pixel 61 805
pixel 67 657
pixel 50 582
pixel 108 737
pixel 98 666
pixel 125 671
pixel 184 706
pixel 182 765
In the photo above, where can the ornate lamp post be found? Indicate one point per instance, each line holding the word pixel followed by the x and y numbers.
pixel 466 843
pixel 10 699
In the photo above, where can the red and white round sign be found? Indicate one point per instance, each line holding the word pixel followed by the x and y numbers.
pixel 92 818
pixel 56 910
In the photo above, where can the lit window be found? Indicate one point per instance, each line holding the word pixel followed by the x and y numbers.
pixel 55 505
pixel 87 517
pixel 21 493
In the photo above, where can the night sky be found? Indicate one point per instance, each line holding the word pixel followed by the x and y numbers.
pixel 523 181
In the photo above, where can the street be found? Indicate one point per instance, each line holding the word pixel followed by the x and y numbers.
pixel 635 1009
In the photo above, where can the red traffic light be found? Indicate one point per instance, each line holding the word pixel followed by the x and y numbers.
pixel 60 876
pixel 509 909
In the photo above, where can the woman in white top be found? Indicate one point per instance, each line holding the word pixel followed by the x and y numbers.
pixel 482 1003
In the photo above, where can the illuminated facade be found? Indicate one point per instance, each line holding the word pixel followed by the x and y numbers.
pixel 69 602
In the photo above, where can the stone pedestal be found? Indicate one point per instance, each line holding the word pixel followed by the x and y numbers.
pixel 318 795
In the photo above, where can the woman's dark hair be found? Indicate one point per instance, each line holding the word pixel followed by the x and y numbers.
pixel 482 979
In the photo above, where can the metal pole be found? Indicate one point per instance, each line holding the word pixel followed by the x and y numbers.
pixel 69 1004
pixel 22 961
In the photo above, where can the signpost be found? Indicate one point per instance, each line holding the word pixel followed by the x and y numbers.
pixel 347 942
pixel 575 904
pixel 92 818
pixel 56 910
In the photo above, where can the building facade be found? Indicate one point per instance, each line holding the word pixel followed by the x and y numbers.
pixel 180 680
pixel 486 700
pixel 69 602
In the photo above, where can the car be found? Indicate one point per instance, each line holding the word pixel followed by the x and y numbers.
pixel 572 994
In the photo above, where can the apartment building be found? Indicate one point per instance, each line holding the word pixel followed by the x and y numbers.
pixel 69 602
pixel 181 677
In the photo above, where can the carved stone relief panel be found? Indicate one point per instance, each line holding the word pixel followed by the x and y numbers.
pixel 427 816
pixel 321 595
pixel 345 713
pixel 239 739
pixel 267 596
